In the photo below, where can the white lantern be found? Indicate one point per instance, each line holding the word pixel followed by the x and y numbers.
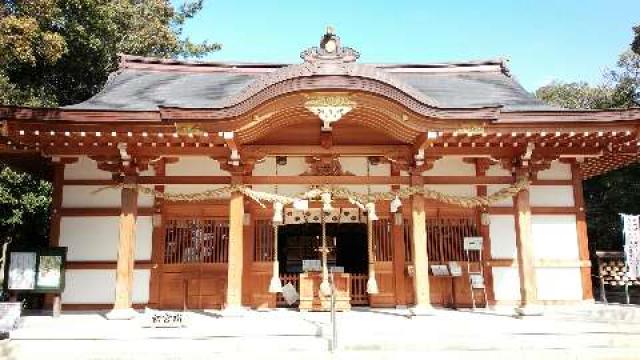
pixel 395 204
pixel 371 211
pixel 277 213
pixel 326 202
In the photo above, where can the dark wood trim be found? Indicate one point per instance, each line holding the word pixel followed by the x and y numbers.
pixel 72 212
pixel 481 166
pixel 105 265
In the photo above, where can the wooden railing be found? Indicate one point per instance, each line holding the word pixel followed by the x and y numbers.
pixel 263 241
pixel 294 279
pixel 359 294
pixel 445 238
pixel 198 240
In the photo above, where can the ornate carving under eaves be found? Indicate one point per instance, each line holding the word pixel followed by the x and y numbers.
pixel 325 166
pixel 329 108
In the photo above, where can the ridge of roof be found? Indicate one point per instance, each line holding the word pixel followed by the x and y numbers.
pixel 162 64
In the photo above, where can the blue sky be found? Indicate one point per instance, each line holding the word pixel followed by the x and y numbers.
pixel 567 40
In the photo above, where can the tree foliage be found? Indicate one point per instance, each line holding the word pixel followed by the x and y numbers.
pixel 24 207
pixel 619 89
pixel 635 45
pixel 59 52
pixel 617 192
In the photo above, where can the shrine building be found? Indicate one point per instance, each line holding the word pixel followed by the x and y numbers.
pixel 206 185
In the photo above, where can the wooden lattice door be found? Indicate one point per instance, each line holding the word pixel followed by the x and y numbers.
pixel 193 272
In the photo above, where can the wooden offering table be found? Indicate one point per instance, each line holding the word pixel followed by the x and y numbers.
pixel 312 300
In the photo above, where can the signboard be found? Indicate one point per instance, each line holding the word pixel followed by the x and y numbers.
pixel 473 243
pixel 22 271
pixel 37 271
pixel 455 268
pixel 166 319
pixel 311 265
pixel 477 281
pixel 439 270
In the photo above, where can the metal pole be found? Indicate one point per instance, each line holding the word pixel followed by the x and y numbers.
pixel 334 329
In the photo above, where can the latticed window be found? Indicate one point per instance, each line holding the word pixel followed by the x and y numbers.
pixel 382 242
pixel 263 241
pixel 445 238
pixel 201 240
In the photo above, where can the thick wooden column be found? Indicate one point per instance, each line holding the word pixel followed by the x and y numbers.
pixel 524 244
pixel 399 258
pixel 583 238
pixel 58 165
pixel 236 258
pixel 482 165
pixel 421 288
pixel 122 307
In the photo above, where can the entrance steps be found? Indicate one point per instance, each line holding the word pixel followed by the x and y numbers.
pixel 594 332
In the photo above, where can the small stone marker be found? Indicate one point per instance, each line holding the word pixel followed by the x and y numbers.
pixel 290 294
pixel 163 319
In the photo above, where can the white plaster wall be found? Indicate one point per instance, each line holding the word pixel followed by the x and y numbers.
pixel 555 237
pixel 506 283
pixel 557 171
pixel 295 166
pixel 195 166
pixel 85 169
pixel 551 195
pixel 84 196
pixel 98 286
pixel 508 202
pixel 503 236
pixel 451 166
pixel 95 238
pixel 358 167
pixel 559 283
pixel 456 190
pixel 498 170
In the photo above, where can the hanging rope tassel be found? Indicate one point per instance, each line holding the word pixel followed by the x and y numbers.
pixel 275 286
pixel 372 284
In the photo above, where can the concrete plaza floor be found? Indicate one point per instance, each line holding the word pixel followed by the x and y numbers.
pixel 586 332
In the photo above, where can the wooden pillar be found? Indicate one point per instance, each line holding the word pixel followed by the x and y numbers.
pixel 53 300
pixel 399 258
pixel 482 165
pixel 421 288
pixel 157 238
pixel 524 244
pixel 583 238
pixel 236 258
pixel 122 307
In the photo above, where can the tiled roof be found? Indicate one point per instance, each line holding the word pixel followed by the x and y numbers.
pixel 147 83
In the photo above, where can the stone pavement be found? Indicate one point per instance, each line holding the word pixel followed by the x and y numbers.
pixel 584 332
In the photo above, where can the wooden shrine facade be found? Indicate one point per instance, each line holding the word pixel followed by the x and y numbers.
pixel 328 121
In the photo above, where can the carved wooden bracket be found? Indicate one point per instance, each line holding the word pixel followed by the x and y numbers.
pixel 328 165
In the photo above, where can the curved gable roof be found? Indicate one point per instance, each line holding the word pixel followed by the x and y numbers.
pixel 150 84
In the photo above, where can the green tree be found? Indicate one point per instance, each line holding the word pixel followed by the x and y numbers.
pixel 24 211
pixel 619 89
pixel 635 45
pixel 608 195
pixel 59 52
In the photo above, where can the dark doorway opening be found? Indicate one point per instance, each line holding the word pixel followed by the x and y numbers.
pixel 298 242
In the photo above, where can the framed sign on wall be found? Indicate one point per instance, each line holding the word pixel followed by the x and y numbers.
pixel 40 271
